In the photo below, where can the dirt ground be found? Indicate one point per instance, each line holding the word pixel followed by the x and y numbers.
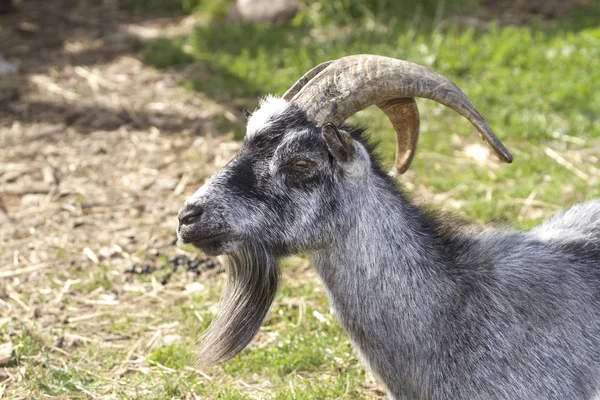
pixel 97 154
pixel 92 138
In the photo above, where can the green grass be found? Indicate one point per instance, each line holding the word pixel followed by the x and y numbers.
pixel 300 353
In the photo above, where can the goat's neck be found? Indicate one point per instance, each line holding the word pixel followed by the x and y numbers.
pixel 388 244
pixel 387 280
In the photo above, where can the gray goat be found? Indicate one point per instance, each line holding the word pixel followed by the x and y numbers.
pixel 434 309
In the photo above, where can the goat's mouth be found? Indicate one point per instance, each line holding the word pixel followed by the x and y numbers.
pixel 212 244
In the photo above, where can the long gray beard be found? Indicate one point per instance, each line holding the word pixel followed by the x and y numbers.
pixel 248 295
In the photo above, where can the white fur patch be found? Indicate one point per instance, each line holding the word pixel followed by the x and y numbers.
pixel 562 235
pixel 269 108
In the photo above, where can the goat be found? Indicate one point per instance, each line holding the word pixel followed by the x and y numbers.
pixel 435 310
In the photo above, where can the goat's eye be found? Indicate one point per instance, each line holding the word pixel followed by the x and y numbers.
pixel 301 164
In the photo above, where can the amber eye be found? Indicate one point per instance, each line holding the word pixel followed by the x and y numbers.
pixel 301 164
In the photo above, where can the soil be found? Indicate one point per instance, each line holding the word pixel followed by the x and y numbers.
pixel 97 154
pixel 98 149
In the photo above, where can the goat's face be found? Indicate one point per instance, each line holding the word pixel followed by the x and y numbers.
pixel 284 189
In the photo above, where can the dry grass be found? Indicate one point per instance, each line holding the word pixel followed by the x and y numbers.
pixel 96 159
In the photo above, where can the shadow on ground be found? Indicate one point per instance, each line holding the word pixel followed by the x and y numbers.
pixel 62 49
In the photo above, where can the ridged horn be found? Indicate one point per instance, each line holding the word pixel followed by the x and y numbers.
pixel 300 83
pixel 335 90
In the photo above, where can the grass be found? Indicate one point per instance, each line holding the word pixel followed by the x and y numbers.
pixel 536 86
pixel 298 356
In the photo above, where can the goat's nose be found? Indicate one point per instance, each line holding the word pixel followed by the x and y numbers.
pixel 190 214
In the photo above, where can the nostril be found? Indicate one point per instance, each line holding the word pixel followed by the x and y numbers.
pixel 189 215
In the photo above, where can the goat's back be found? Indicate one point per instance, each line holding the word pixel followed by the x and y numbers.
pixel 528 316
pixel 580 223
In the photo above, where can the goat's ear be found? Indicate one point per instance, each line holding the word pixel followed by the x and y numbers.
pixel 339 142
pixel 246 113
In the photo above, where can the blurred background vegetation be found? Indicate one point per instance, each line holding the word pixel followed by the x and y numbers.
pixel 532 71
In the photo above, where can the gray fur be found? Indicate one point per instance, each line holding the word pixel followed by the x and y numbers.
pixel 435 312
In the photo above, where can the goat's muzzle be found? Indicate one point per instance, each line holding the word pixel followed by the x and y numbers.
pixel 203 227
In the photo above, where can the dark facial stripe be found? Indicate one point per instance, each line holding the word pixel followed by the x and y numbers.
pixel 242 178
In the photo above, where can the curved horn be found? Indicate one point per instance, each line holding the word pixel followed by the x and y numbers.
pixel 300 83
pixel 403 113
pixel 350 84
pixel 404 116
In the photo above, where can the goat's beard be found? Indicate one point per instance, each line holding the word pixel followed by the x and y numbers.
pixel 248 295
